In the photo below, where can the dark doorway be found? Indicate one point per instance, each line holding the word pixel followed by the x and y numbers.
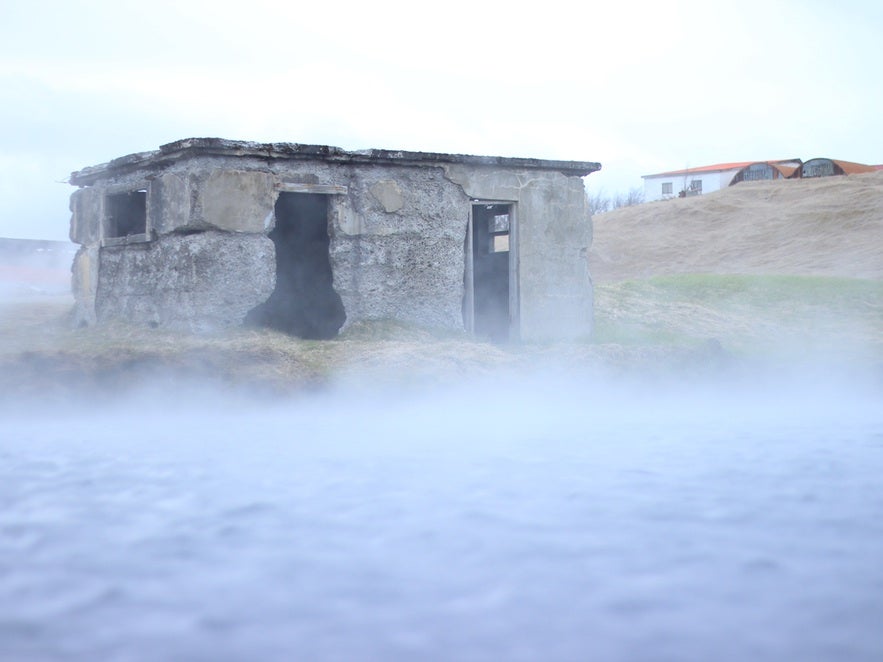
pixel 490 270
pixel 304 302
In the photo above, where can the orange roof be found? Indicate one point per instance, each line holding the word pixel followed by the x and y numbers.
pixel 723 167
pixel 717 167
pixel 786 170
pixel 851 168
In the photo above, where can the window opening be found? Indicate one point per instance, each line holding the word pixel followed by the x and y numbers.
pixel 126 214
pixel 498 231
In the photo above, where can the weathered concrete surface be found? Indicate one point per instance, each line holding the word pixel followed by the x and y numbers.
pixel 169 203
pixel 197 282
pixel 84 284
pixel 554 238
pixel 397 227
pixel 388 194
pixel 238 201
pixel 497 185
pixel 408 264
pixel 191 149
pixel 87 210
pixel 554 235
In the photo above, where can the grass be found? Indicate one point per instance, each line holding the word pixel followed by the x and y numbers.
pixel 750 315
pixel 644 326
pixel 40 351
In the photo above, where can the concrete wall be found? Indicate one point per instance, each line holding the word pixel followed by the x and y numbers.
pixel 553 237
pixel 396 242
pixel 216 279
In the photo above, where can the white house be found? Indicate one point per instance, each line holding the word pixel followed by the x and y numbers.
pixel 705 179
pixel 692 181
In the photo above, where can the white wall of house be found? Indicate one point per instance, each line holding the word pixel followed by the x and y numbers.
pixel 662 187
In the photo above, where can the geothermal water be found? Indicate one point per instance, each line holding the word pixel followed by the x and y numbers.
pixel 519 519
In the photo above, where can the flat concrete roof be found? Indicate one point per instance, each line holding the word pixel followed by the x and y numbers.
pixel 194 147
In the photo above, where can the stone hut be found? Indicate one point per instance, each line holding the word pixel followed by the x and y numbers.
pixel 207 233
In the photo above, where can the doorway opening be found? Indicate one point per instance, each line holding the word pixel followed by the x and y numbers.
pixel 304 302
pixel 490 293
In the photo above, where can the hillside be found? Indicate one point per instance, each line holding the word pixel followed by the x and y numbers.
pixel 813 227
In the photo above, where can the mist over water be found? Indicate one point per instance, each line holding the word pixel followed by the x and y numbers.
pixel 522 517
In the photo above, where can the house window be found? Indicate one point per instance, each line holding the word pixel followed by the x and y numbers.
pixel 696 186
pixel 666 188
pixel 126 215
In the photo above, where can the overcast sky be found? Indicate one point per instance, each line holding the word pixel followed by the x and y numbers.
pixel 640 87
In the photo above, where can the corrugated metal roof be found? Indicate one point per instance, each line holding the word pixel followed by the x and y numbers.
pixel 783 165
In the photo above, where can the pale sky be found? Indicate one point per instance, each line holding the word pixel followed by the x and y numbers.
pixel 640 87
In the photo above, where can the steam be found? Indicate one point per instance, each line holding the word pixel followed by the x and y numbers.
pixel 487 503
pixel 32 268
pixel 514 516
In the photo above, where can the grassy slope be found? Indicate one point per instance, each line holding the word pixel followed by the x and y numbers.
pixel 827 227
pixel 786 268
pixel 785 316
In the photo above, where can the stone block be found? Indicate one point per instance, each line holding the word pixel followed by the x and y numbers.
pixel 168 204
pixel 554 235
pixel 203 281
pixel 388 194
pixel 419 282
pixel 238 201
pixel 485 184
pixel 87 210
pixel 344 219
pixel 84 284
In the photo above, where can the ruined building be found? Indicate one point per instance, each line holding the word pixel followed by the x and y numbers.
pixel 208 233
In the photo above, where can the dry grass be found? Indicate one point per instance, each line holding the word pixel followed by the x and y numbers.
pixel 39 350
pixel 41 355
pixel 824 227
pixel 784 268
